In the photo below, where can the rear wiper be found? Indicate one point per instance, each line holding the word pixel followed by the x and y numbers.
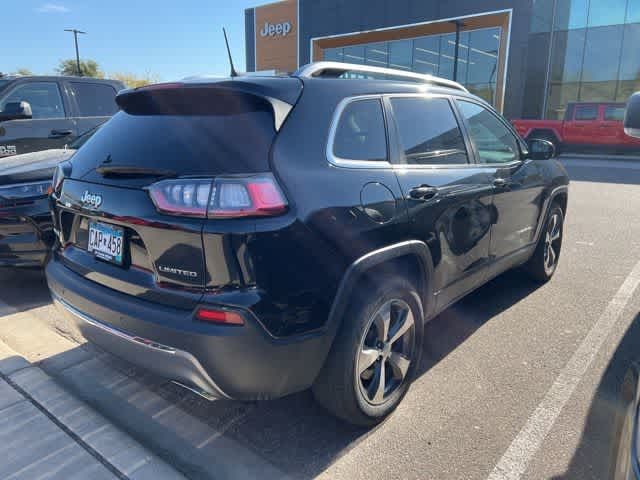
pixel 133 172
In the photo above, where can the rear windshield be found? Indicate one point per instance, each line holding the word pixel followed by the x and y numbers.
pixel 221 143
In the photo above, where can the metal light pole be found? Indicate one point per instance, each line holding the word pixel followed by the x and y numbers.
pixel 75 38
pixel 456 54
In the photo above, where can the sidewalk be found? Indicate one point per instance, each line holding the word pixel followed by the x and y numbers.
pixel 45 431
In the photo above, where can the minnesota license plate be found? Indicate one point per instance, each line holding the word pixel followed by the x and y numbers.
pixel 106 242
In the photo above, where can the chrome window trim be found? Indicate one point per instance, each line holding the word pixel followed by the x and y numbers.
pixel 350 162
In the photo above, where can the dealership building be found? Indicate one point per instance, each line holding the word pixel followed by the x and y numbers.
pixel 529 58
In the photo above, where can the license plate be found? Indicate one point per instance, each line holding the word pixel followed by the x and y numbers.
pixel 106 242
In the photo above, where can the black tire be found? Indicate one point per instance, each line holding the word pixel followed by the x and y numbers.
pixel 539 266
pixel 342 391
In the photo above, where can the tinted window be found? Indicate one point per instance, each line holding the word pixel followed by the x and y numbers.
pixel 95 100
pixel 586 112
pixel 361 134
pixel 44 98
pixel 235 138
pixel 493 140
pixel 614 113
pixel 429 132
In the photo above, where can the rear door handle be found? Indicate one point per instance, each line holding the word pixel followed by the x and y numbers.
pixel 423 192
pixel 60 133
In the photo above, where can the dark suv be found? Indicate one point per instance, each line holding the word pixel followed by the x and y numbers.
pixel 253 237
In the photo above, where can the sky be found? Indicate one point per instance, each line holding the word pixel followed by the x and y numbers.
pixel 170 39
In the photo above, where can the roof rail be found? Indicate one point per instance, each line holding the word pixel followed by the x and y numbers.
pixel 336 69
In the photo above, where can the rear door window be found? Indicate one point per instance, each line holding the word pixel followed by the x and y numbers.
pixel 95 100
pixel 429 132
pixel 361 134
pixel 586 112
pixel 44 98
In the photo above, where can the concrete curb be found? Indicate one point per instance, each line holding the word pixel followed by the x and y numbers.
pixel 120 454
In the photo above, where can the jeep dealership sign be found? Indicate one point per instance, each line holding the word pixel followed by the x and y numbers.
pixel 269 29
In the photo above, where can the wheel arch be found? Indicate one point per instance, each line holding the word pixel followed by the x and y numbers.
pixel 559 196
pixel 412 256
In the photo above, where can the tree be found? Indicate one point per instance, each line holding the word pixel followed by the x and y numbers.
pixel 89 68
pixel 23 71
pixel 132 80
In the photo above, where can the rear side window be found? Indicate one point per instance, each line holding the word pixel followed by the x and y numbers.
pixel 44 98
pixel 614 113
pixel 586 112
pixel 429 132
pixel 360 134
pixel 95 100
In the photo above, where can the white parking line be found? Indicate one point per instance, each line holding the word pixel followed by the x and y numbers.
pixel 515 460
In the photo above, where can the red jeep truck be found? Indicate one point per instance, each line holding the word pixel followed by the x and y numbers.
pixel 586 126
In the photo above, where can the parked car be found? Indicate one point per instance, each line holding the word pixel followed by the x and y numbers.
pixel 586 126
pixel 253 237
pixel 41 113
pixel 26 232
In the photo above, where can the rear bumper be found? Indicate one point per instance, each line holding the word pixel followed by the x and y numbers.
pixel 243 363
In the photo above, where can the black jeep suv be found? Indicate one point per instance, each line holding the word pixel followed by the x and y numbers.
pixel 252 237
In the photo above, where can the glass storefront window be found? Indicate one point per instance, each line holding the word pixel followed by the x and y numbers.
pixel 542 16
pixel 567 55
pixel 602 58
pixel 376 54
pixel 354 54
pixel 629 57
pixel 426 54
pixel 633 11
pixel 333 55
pixel 571 14
pixel 483 56
pixel 400 54
pixel 606 12
pixel 560 94
pixel 478 52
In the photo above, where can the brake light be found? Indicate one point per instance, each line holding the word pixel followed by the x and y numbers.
pixel 223 197
pixel 219 316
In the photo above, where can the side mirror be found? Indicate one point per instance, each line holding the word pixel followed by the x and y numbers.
pixel 16 111
pixel 540 149
pixel 632 116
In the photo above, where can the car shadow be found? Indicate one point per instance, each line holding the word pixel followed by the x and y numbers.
pixel 601 437
pixel 23 288
pixel 293 434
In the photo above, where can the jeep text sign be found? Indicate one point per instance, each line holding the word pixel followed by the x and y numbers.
pixel 280 29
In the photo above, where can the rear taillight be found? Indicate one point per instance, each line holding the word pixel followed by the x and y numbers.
pixel 222 197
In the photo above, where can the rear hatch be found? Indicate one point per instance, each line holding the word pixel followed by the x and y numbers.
pixel 132 209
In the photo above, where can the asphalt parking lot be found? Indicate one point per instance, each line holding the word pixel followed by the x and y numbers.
pixel 518 380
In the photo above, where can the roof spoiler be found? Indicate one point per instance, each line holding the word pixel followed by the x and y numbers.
pixel 202 98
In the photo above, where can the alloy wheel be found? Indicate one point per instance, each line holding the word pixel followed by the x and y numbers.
pixel 386 351
pixel 552 243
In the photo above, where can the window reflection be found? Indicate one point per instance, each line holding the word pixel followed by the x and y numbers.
pixel 606 12
pixel 571 14
pixel 478 52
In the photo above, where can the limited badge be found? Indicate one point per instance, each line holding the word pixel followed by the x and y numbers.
pixel 7 150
